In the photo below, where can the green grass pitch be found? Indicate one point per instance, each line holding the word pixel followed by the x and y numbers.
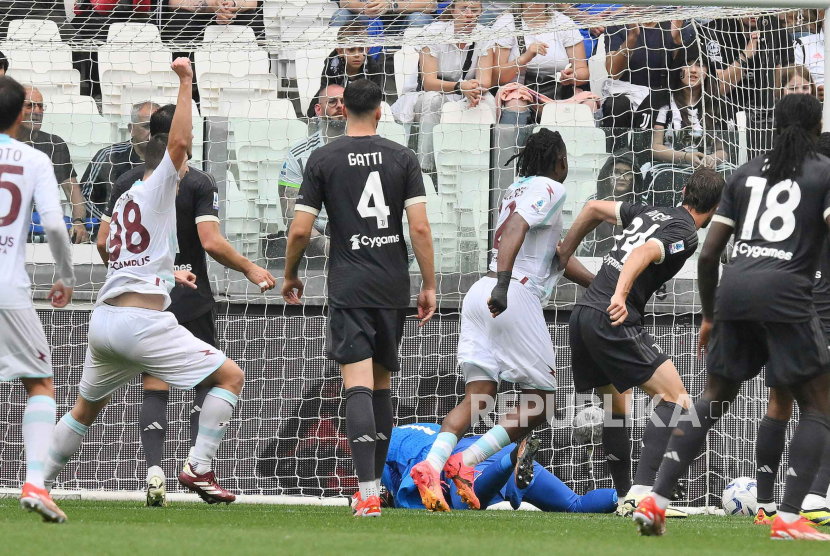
pixel 129 528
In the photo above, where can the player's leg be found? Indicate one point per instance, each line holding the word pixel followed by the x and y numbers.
pixel 384 415
pixel 548 493
pixel 816 505
pixel 769 447
pixel 358 382
pixel 494 475
pixel 204 328
pixel 152 424
pixel 616 437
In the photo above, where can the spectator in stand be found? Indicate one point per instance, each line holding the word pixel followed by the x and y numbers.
pixel 744 55
pixel 54 147
pixel 111 162
pixel 551 63
pixel 638 65
pixel 389 15
pixel 185 20
pixel 809 52
pixel 328 111
pixel 449 72
pixel 794 80
pixel 580 12
pixel 683 122
pixel 4 64
pixel 352 62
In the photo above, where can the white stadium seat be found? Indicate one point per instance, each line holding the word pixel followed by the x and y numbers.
pixel 460 113
pixel 71 104
pixel 406 69
pixel 229 34
pixel 55 82
pixel 121 89
pixel 241 220
pixel 85 135
pixel 33 30
pixel 132 33
pixel 567 114
pixel 218 91
pixel 309 66
pixel 234 63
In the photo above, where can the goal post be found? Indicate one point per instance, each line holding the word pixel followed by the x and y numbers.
pixel 256 118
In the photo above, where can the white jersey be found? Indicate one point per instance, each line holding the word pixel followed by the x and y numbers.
pixel 26 178
pixel 539 201
pixel 142 241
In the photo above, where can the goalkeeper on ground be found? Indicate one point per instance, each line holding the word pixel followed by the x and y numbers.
pixel 510 474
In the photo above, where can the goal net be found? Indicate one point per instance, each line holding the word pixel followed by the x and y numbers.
pixel 641 95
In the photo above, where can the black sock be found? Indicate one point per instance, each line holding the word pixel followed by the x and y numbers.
pixel 772 437
pixel 685 443
pixel 617 448
pixel 152 420
pixel 196 411
pixel 822 481
pixel 806 450
pixel 384 422
pixel 655 439
pixel 360 430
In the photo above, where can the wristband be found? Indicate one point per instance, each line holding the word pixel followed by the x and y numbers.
pixel 78 221
pixel 457 88
pixel 503 278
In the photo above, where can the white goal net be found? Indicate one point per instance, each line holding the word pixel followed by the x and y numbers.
pixel 641 95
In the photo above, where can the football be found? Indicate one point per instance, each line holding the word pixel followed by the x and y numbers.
pixel 588 425
pixel 740 497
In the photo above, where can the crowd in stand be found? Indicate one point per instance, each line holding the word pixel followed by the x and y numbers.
pixel 670 101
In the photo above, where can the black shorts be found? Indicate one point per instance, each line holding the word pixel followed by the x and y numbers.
pixel 601 354
pixel 358 334
pixel 793 352
pixel 204 327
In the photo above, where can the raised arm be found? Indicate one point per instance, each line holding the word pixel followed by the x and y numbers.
pixel 181 129
pixel 420 235
pixel 592 215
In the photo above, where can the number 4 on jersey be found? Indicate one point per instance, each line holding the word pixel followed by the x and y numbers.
pixel 373 192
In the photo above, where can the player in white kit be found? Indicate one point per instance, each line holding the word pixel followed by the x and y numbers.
pixel 129 331
pixel 503 331
pixel 27 177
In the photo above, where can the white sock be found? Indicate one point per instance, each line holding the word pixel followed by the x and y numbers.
pixel 216 414
pixel 768 507
pixel 493 440
pixel 66 440
pixel 156 471
pixel 813 502
pixel 788 517
pixel 441 450
pixel 367 489
pixel 38 424
pixel 662 501
pixel 377 485
pixel 638 490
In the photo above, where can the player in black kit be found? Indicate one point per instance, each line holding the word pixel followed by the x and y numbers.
pixel 778 207
pixel 611 350
pixel 192 302
pixel 366 182
pixel 772 430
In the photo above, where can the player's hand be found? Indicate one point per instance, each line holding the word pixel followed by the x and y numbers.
pixel 567 76
pixel 261 278
pixel 497 302
pixel 632 35
pixel 820 92
pixel 426 306
pixel 182 68
pixel 78 233
pixel 292 290
pixel 617 310
pixel 185 278
pixel 59 295
pixel 752 45
pixel 703 338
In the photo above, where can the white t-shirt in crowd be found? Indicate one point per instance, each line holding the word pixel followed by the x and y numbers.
pixel 451 58
pixel 142 242
pixel 566 35
pixel 810 53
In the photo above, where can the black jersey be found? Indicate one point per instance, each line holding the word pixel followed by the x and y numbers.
pixel 821 287
pixel 365 184
pixel 197 201
pixel 673 229
pixel 779 234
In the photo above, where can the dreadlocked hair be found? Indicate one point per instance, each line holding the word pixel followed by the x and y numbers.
pixel 540 153
pixel 795 116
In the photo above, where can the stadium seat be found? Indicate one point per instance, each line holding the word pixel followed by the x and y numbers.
pixel 85 135
pixel 219 90
pixel 386 112
pixel 120 89
pixel 567 114
pixel 294 21
pixel 233 62
pixel 459 113
pixel 71 104
pixel 55 82
pixel 35 45
pixel 33 30
pixel 462 158
pixel 229 34
pixel 309 64
pixel 133 33
pixel 261 147
pixel 406 69
pixel 145 52
pixel 392 131
pixel 241 223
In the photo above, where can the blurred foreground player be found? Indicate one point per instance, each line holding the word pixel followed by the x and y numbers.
pixel 129 331
pixel 27 177
pixel 365 182
pixel 497 477
pixel 778 207
pixel 503 331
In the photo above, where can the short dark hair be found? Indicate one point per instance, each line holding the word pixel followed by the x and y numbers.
pixel 824 144
pixel 362 97
pixel 4 62
pixel 703 190
pixel 12 96
pixel 154 151
pixel 162 119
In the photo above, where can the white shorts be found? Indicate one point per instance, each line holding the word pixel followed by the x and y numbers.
pixel 24 352
pixel 128 341
pixel 515 346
